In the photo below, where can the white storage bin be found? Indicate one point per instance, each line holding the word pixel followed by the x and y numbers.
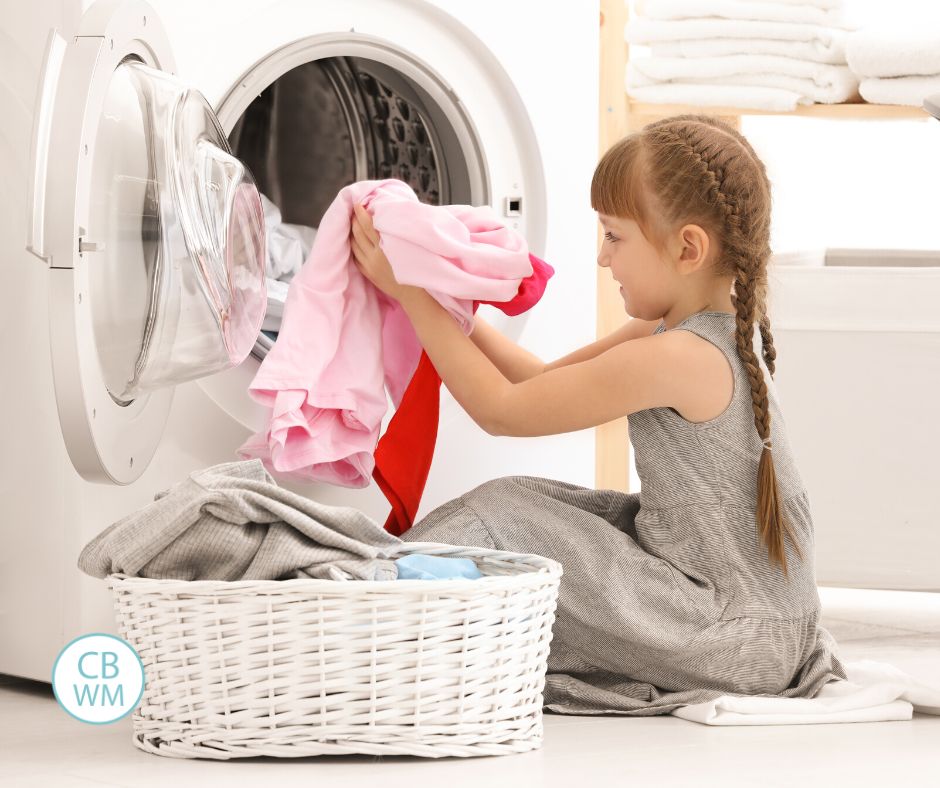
pixel 293 668
pixel 857 333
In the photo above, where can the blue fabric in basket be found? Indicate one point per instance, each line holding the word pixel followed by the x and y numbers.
pixel 417 566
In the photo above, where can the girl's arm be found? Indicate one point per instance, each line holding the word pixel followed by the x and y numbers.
pixel 518 364
pixel 473 380
pixel 634 328
pixel 648 372
pixel 515 362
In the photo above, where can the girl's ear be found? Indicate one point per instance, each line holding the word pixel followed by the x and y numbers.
pixel 694 245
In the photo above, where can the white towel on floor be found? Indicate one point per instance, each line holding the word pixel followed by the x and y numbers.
pixel 900 90
pixel 817 51
pixel 875 691
pixel 894 52
pixel 640 30
pixel 834 16
pixel 830 84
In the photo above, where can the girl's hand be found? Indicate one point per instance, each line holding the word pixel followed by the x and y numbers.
pixel 371 260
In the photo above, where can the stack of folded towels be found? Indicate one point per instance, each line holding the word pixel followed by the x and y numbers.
pixel 759 54
pixel 897 65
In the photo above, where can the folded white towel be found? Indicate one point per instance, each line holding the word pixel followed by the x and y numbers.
pixel 706 68
pixel 747 9
pixel 875 691
pixel 820 84
pixel 817 51
pixel 640 30
pixel 900 90
pixel 738 96
pixel 894 52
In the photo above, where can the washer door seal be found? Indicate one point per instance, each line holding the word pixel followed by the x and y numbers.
pixel 143 287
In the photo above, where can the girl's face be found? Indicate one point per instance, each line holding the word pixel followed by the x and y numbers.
pixel 648 283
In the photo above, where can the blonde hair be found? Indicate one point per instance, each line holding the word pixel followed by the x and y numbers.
pixel 696 168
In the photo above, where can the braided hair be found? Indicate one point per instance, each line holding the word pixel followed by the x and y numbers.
pixel 696 168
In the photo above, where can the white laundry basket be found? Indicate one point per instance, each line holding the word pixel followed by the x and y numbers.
pixel 293 668
pixel 857 333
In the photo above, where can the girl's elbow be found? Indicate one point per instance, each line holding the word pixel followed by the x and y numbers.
pixel 493 427
pixel 493 417
pixel 517 428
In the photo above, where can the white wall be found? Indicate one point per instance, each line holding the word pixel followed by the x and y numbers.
pixel 872 184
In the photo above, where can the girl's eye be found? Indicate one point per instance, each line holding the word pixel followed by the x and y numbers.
pixel 609 237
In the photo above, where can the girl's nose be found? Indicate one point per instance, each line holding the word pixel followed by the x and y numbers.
pixel 602 261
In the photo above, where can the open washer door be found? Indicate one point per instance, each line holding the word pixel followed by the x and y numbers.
pixel 152 230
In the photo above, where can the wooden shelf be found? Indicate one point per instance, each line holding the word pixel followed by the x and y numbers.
pixel 859 111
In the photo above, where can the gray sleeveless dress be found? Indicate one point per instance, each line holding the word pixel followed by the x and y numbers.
pixel 668 597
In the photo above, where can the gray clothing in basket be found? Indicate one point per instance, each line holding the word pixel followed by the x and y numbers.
pixel 668 597
pixel 232 522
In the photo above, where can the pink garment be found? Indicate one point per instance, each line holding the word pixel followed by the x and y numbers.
pixel 342 340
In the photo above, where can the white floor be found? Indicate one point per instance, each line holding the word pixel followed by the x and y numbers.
pixel 41 745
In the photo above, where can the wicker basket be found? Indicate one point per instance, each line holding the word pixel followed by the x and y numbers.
pixel 293 668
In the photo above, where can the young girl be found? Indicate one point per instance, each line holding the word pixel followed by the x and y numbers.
pixel 702 584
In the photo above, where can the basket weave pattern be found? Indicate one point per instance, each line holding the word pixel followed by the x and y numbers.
pixel 293 668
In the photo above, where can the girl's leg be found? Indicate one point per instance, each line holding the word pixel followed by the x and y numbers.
pixel 609 584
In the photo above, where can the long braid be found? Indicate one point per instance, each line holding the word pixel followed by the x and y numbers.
pixel 709 158
pixel 770 518
pixel 767 339
pixel 767 343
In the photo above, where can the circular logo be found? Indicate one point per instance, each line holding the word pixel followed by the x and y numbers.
pixel 98 678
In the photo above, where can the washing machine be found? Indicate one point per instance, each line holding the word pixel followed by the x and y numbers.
pixel 136 140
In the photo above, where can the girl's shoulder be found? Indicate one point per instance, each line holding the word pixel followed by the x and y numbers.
pixel 707 372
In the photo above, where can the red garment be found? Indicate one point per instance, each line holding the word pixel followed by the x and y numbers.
pixel 405 450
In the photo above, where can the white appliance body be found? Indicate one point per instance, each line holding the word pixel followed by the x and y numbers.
pixel 857 334
pixel 523 104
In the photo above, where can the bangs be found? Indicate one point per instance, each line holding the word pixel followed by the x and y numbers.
pixel 616 187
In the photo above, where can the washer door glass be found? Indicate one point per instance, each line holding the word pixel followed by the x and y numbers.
pixel 175 235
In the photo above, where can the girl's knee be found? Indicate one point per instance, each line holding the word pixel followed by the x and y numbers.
pixel 451 523
pixel 491 487
pixel 490 499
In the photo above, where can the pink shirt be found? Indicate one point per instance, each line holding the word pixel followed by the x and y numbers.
pixel 342 340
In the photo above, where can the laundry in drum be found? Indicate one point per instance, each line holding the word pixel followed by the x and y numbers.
pixel 287 247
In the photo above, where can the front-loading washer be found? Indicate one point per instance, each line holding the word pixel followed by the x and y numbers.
pixel 465 102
